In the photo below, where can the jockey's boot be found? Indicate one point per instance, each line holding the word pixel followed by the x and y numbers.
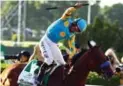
pixel 41 74
pixel 44 70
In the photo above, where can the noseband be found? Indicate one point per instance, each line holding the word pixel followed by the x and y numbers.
pixel 104 66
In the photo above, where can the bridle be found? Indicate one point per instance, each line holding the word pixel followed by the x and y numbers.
pixel 106 72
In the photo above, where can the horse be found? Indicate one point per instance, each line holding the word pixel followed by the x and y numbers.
pixel 92 60
pixel 10 75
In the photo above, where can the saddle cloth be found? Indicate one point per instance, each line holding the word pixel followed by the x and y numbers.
pixel 30 73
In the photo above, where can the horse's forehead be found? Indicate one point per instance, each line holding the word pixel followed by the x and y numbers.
pixel 97 52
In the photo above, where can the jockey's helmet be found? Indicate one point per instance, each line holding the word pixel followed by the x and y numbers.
pixel 24 53
pixel 81 23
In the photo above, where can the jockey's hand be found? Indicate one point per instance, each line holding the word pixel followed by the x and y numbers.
pixel 78 5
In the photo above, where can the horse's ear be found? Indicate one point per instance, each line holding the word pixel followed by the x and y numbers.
pixel 91 43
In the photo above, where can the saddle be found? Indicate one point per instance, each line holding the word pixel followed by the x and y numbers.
pixel 35 73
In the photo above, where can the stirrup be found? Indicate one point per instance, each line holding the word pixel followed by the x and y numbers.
pixel 44 70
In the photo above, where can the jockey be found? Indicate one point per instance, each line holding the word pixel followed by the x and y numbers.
pixel 62 29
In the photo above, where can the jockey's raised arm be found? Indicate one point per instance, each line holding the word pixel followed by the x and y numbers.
pixel 70 10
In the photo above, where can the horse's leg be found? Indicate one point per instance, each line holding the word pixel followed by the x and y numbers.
pixel 4 80
pixel 7 82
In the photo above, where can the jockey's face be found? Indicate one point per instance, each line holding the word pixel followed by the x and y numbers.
pixel 23 59
pixel 74 28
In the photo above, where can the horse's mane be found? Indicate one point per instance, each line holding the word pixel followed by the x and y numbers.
pixel 111 52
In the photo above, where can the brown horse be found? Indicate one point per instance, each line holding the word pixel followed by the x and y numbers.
pixel 10 75
pixel 93 60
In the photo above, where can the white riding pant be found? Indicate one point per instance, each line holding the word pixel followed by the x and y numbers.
pixel 51 52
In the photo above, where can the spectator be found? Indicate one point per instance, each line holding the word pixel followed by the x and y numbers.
pixel 21 57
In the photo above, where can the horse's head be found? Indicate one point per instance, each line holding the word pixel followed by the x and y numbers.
pixel 98 62
pixel 93 59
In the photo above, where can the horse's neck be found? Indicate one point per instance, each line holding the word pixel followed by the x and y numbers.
pixel 79 74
